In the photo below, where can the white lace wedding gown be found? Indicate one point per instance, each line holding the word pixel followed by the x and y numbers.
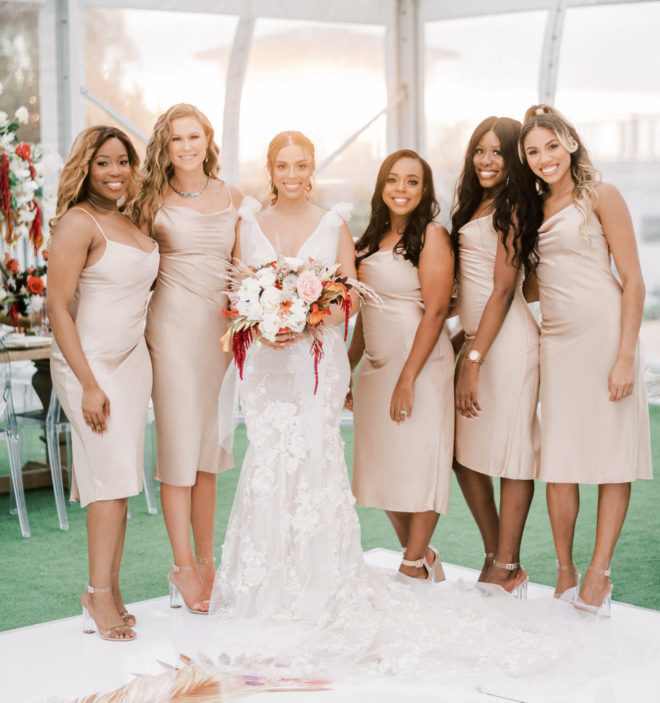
pixel 292 594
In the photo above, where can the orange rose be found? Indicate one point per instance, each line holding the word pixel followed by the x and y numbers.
pixel 35 285
pixel 24 151
pixel 44 254
pixel 13 266
pixel 316 315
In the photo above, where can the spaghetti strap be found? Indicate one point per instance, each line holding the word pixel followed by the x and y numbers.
pixel 89 214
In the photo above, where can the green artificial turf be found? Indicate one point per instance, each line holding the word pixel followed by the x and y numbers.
pixel 42 577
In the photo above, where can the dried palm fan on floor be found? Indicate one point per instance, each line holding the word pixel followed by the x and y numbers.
pixel 199 682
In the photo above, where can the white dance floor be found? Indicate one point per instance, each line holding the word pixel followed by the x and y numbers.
pixel 55 661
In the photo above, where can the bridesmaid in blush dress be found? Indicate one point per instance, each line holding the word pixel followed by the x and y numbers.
pixel 595 424
pixel 497 435
pixel 192 215
pixel 100 270
pixel 403 407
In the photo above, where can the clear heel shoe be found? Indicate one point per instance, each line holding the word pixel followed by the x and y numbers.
pixel 570 594
pixel 176 597
pixel 604 610
pixel 519 589
pixel 90 626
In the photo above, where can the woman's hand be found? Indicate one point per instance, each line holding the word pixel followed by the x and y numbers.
pixel 348 401
pixel 621 380
pixel 467 388
pixel 95 409
pixel 284 338
pixel 402 400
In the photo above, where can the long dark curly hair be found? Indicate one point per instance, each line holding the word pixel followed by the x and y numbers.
pixel 411 243
pixel 517 208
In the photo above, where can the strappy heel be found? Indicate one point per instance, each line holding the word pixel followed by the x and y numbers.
pixel 127 617
pixel 519 589
pixel 604 610
pixel 434 571
pixel 570 594
pixel 176 597
pixel 419 564
pixel 435 567
pixel 90 626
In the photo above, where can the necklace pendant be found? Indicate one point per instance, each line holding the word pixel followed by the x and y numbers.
pixel 183 194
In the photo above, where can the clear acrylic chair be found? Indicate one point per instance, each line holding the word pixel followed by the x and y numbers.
pixel 9 432
pixel 52 423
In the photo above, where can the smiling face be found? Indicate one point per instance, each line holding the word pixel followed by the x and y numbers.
pixel 110 171
pixel 188 144
pixel 291 172
pixel 403 187
pixel 547 157
pixel 488 162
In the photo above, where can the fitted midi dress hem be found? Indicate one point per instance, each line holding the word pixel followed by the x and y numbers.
pixel 184 327
pixel 586 438
pixel 401 467
pixel 504 439
pixel 108 311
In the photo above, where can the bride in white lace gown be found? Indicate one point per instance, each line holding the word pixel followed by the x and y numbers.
pixel 292 594
pixel 293 535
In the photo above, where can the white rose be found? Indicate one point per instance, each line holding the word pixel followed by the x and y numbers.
pixel 266 277
pixel 22 115
pixel 250 309
pixel 271 299
pixel 249 289
pixel 289 283
pixel 293 262
pixel 4 119
pixel 270 326
pixel 36 303
pixel 262 257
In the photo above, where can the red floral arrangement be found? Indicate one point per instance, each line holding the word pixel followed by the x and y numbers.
pixel 24 291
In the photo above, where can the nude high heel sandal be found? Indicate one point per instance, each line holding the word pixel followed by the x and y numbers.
pixel 90 626
pixel 435 567
pixel 570 594
pixel 176 597
pixel 604 610
pixel 519 589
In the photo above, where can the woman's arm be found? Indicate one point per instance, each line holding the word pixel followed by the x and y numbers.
pixel 356 347
pixel 355 353
pixel 72 241
pixel 436 278
pixel 492 317
pixel 614 217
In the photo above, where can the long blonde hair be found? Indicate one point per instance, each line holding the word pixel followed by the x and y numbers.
pixel 287 139
pixel 158 170
pixel 585 175
pixel 74 182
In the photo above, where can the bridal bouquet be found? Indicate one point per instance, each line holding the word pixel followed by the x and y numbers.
pixel 285 294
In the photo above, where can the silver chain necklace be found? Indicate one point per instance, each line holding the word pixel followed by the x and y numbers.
pixel 183 194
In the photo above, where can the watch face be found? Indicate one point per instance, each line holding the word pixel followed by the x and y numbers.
pixel 474 355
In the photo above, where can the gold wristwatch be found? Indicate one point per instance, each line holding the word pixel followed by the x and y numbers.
pixel 475 357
